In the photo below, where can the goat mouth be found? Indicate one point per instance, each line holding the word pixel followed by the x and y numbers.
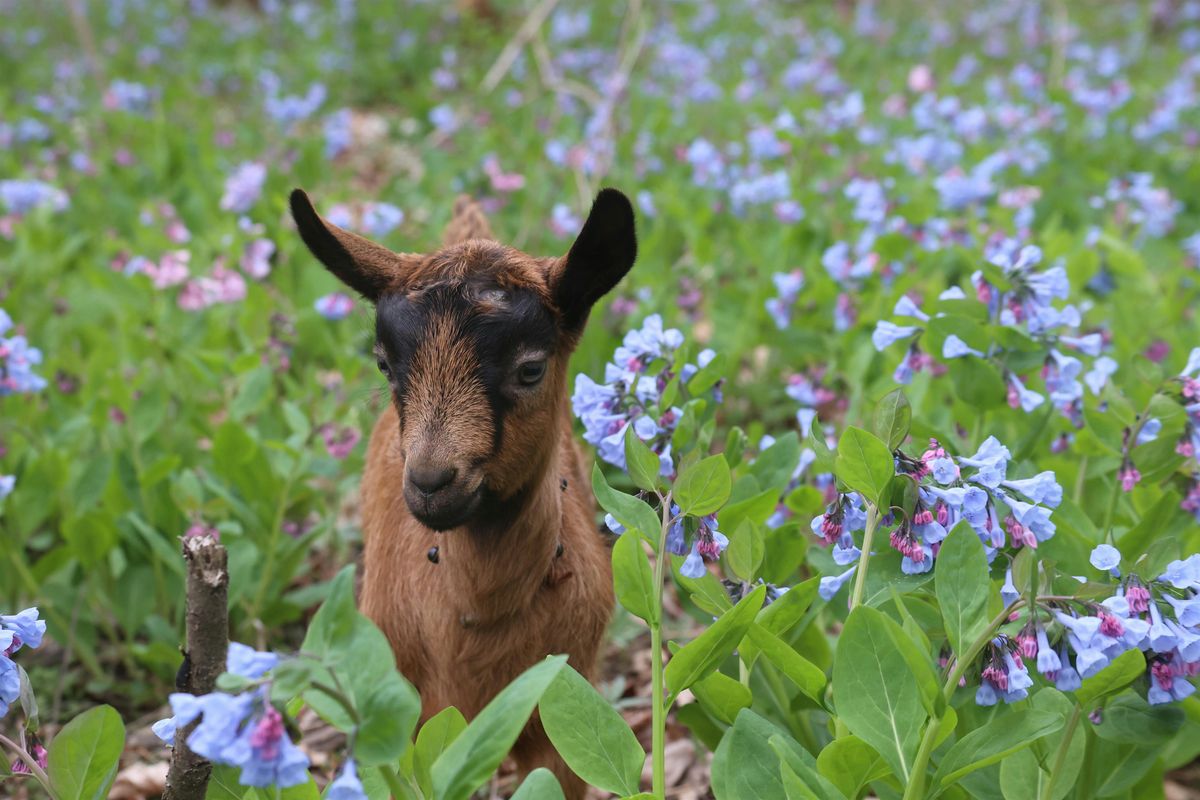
pixel 443 514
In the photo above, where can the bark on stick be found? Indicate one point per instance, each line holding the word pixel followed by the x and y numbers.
pixel 204 656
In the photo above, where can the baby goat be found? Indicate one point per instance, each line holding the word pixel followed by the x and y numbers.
pixel 481 552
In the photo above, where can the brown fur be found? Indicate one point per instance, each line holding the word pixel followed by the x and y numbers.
pixel 501 595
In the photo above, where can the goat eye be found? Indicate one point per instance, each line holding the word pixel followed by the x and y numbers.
pixel 384 368
pixel 531 372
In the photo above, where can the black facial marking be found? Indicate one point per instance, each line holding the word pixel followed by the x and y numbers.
pixel 524 323
pixel 499 324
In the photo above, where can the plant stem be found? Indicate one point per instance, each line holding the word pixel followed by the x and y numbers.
pixel 916 781
pixel 860 579
pixel 658 713
pixel 1061 758
pixel 34 769
pixel 395 787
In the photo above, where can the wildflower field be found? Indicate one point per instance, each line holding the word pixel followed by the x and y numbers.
pixel 896 419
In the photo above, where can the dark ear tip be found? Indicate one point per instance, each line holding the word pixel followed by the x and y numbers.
pixel 613 200
pixel 301 205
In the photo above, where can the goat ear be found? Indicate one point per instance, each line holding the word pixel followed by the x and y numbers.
pixel 364 266
pixel 601 255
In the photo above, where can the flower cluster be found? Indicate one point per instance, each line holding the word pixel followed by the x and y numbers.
pixel 634 382
pixel 243 730
pixel 1073 640
pixel 16 631
pixel 17 360
pixel 1028 307
pixel 975 489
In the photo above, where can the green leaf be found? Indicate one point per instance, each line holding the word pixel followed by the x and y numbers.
pixel 1121 671
pixel 977 383
pixel 296 420
pixel 703 487
pixel 850 764
pixel 795 761
pixel 722 696
pixel 633 580
pixel 708 375
pixel 348 643
pixel 997 740
pixel 476 753
pixel 1129 719
pixel 628 510
pixel 83 757
pixel 874 696
pixel 893 415
pixel 1117 767
pixel 962 585
pixel 539 785
pixel 590 735
pixel 745 765
pixel 389 713
pixel 864 464
pixel 641 462
pixel 432 740
pixel 1026 773
pixel 701 656
pixel 745 552
pixel 809 678
pixel 774 466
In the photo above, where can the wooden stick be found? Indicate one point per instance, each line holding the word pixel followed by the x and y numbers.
pixel 204 657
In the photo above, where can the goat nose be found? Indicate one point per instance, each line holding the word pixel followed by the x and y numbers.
pixel 431 479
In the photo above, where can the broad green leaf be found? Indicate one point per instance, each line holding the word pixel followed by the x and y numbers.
pixel 1129 719
pixel 722 696
pixel 389 713
pixel 893 415
pixel 977 383
pixel 84 756
pixel 1117 767
pixel 745 552
pixel 348 643
pixel 703 487
pixel 774 466
pixel 850 764
pixel 795 761
pixel 864 464
pixel 782 616
pixel 1026 773
pixel 539 785
pixel 757 509
pixel 701 656
pixel 432 740
pixel 744 764
pixel 641 462
pixel 809 679
pixel 633 580
pixel 874 695
pixel 1000 738
pixel 474 755
pixel 963 587
pixel 628 510
pixel 1122 671
pixel 590 735
pixel 709 374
